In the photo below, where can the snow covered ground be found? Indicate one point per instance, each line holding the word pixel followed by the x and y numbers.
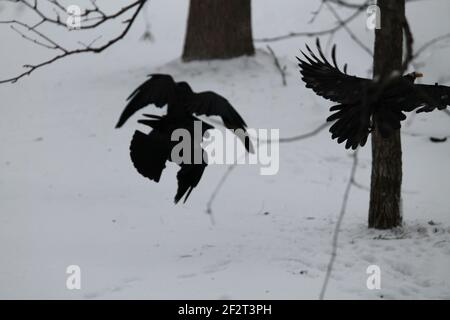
pixel 69 194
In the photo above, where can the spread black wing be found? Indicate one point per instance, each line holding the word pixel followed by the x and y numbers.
pixel 327 81
pixel 423 97
pixel 157 90
pixel 211 104
pixel 351 126
pixel 149 153
pixel 352 114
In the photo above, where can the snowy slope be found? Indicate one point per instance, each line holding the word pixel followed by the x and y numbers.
pixel 70 195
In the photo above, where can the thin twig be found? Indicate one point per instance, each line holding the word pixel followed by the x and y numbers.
pixel 227 173
pixel 52 44
pixel 281 69
pixel 430 43
pixel 340 25
pixel 337 228
pixel 216 191
pixel 352 35
pixel 316 13
pixel 409 40
pixel 305 135
pixel 147 36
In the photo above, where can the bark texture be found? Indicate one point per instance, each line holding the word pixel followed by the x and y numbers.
pixel 218 29
pixel 386 181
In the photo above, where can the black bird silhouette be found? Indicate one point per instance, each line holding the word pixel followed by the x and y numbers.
pixel 365 104
pixel 149 152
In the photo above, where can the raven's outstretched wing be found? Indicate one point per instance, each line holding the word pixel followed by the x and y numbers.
pixel 211 104
pixel 351 126
pixel 328 81
pixel 426 97
pixel 352 114
pixel 157 90
pixel 149 153
pixel 354 120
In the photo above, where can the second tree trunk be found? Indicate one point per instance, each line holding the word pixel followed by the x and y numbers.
pixel 218 29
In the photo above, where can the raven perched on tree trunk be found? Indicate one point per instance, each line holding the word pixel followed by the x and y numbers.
pixel 364 104
pixel 149 152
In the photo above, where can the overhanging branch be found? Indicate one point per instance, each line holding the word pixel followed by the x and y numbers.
pixel 90 19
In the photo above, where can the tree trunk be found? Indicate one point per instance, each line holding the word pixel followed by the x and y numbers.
pixel 218 29
pixel 385 191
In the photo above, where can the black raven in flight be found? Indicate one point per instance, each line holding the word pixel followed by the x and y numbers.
pixel 364 104
pixel 149 152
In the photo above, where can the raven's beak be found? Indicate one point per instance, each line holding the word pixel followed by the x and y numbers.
pixel 418 74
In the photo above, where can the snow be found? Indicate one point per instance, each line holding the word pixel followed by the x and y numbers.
pixel 70 195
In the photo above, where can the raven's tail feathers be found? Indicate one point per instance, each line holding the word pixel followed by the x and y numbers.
pixel 188 178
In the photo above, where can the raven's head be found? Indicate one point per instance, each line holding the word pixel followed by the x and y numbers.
pixel 413 76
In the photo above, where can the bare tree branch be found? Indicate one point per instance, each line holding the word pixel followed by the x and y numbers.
pixel 430 43
pixel 343 24
pixel 349 31
pixel 281 69
pixel 316 13
pixel 230 169
pixel 89 15
pixel 357 11
pixel 216 191
pixel 351 181
pixel 305 135
pixel 409 41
